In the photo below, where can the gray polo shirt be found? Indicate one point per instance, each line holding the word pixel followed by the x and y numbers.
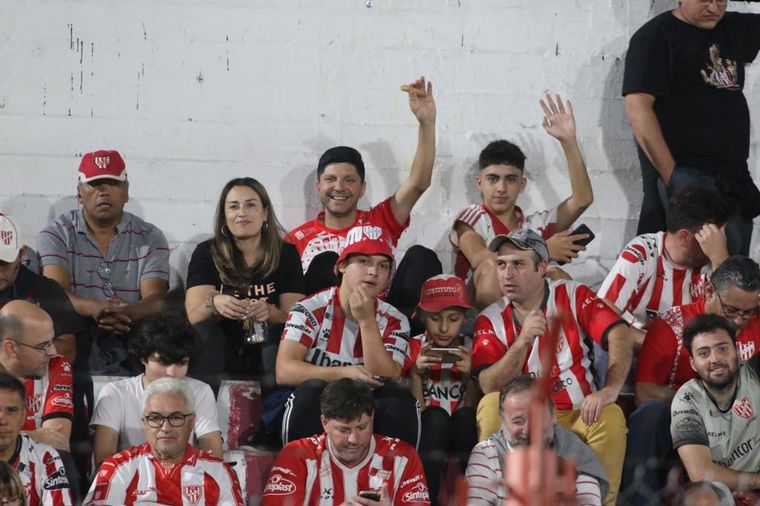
pixel 138 252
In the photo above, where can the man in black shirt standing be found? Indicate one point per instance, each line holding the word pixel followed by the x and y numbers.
pixel 684 75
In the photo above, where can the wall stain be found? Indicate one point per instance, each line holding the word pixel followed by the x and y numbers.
pixel 71 36
pixel 145 32
pixel 556 49
pixel 44 99
pixel 200 77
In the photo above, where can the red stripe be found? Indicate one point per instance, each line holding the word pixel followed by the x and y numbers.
pixel 614 290
pixel 129 496
pixel 654 301
pixel 679 275
pixel 498 226
pixel 636 296
pixel 562 398
pixel 336 331
pixel 210 490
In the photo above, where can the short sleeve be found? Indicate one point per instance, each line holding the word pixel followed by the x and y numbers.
pixel 201 270
pixel 292 279
pixel 487 348
pixel 109 408
pixel 647 62
pixel 56 489
pixel 620 287
pixel 594 315
pixel 686 424
pixel 413 488
pixel 157 263
pixel 286 483
pixel 59 400
pixel 301 326
pixel 657 354
pixel 206 418
pixel 748 26
pixel 396 337
pixel 52 246
pixel 382 215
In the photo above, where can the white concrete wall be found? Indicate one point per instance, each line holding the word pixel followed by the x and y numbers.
pixel 194 93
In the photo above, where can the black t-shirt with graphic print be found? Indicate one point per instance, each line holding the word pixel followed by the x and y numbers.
pixel 697 77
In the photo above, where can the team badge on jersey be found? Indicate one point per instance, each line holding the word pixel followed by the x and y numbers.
pixel 743 409
pixel 192 493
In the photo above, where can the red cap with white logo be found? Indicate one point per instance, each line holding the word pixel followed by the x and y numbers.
pixel 366 240
pixel 444 291
pixel 103 164
pixel 10 244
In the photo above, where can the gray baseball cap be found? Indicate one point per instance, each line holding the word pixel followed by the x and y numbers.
pixel 524 240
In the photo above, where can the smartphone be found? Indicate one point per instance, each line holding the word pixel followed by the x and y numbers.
pixel 372 495
pixel 447 354
pixel 581 229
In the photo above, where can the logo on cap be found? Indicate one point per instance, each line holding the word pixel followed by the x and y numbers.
pixel 102 162
pixel 6 236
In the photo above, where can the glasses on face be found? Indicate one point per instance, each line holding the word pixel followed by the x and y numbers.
pixel 42 347
pixel 706 3
pixel 732 312
pixel 104 272
pixel 175 419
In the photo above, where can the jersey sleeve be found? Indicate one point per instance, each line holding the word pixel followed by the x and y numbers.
pixel 472 217
pixel 396 338
pixel 55 490
pixel 286 484
pixel 157 262
pixel 620 287
pixel 109 408
pixel 657 354
pixel 59 400
pixel 415 345
pixel 686 424
pixel 301 326
pixel 413 488
pixel 382 214
pixel 51 246
pixel 594 316
pixel 543 222
pixel 111 483
pixel 481 475
pixel 647 63
pixel 206 419
pixel 487 348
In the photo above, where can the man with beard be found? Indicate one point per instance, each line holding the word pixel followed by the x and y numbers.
pixel 714 417
pixel 487 463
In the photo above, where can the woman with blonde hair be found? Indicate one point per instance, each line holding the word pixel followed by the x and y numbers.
pixel 241 282
pixel 12 492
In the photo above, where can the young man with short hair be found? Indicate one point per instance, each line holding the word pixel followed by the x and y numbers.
pixel 501 180
pixel 348 460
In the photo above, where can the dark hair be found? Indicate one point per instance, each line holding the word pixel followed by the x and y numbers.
pixel 12 383
pixel 501 152
pixel 227 258
pixel 706 323
pixel 10 327
pixel 341 154
pixel 10 483
pixel 518 384
pixel 346 399
pixel 693 206
pixel 167 334
pixel 739 271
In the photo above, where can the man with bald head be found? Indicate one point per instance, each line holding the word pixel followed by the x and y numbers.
pixel 27 351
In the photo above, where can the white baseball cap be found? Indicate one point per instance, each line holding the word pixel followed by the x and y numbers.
pixel 10 244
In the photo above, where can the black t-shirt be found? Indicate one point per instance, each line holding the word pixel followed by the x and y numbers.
pixel 287 278
pixel 697 77
pixel 49 296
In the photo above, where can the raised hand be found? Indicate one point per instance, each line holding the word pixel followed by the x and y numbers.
pixel 421 101
pixel 559 121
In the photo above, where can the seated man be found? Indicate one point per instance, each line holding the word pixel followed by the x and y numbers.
pixel 114 266
pixel 166 469
pixel 164 345
pixel 346 332
pixel 340 185
pixel 347 463
pixel 501 181
pixel 488 458
pixel 733 292
pixel 714 425
pixel 39 465
pixel 507 334
pixel 658 271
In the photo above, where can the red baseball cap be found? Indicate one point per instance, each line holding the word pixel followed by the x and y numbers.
pixel 103 164
pixel 444 291
pixel 366 240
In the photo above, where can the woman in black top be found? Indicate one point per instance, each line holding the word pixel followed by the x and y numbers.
pixel 245 275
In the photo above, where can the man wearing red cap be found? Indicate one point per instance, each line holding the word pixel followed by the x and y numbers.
pixel 347 332
pixel 114 265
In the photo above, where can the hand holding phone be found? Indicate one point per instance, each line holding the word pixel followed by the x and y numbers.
pixel 447 355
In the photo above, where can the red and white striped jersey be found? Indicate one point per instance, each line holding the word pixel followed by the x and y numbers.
pixel 664 359
pixel 50 396
pixel 134 476
pixel 643 282
pixel 313 237
pixel 442 385
pixel 42 474
pixel 320 324
pixel 588 318
pixel 487 225
pixel 305 472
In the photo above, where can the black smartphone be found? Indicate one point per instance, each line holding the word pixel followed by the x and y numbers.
pixel 581 229
pixel 447 354
pixel 370 494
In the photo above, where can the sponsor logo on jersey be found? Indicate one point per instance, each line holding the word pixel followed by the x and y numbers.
pixel 634 253
pixel 277 485
pixel 418 494
pixel 56 480
pixel 192 493
pixel 743 408
pixel 63 401
pixel 411 480
pixel 61 388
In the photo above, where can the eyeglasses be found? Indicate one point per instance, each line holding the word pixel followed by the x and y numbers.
pixel 175 420
pixel 42 347
pixel 732 312
pixel 104 272
pixel 719 3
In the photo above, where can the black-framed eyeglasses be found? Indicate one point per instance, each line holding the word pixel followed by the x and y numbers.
pixel 175 419
pixel 42 347
pixel 104 273
pixel 732 312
